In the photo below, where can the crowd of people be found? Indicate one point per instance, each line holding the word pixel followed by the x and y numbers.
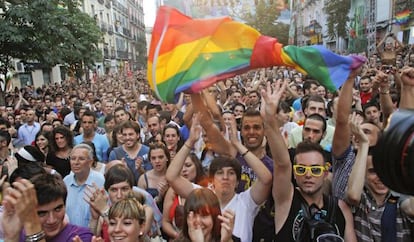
pixel 269 155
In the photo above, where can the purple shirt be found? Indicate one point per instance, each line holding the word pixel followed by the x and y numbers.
pixel 67 234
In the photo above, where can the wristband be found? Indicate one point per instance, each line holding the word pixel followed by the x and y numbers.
pixel 245 153
pixel 35 237
pixel 186 145
pixel 105 213
pixel 384 91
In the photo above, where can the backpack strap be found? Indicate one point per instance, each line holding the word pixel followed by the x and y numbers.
pixel 306 216
pixel 389 220
pixel 333 202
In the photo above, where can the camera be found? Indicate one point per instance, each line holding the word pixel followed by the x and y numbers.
pixel 387 69
pixel 393 155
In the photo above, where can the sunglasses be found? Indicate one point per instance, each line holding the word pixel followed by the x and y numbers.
pixel 301 170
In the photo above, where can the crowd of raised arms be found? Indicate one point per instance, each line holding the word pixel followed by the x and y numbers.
pixel 269 155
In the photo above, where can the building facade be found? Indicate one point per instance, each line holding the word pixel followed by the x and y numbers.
pixel 122 23
pixel 369 21
pixel 123 44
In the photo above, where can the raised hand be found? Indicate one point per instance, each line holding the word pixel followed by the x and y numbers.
pixel 227 225
pixel 138 162
pixel 195 130
pixel 271 98
pixel 381 80
pixel 94 239
pixel 232 130
pixel 407 76
pixel 97 199
pixel 356 129
pixel 162 188
pixel 20 209
pixel 194 228
pixel 10 220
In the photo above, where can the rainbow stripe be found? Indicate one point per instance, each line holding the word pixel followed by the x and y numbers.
pixel 403 17
pixel 188 55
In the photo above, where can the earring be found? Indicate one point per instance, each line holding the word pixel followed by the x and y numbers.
pixel 141 234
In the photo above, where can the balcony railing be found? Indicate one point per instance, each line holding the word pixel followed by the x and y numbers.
pixel 110 29
pixel 122 54
pixel 106 53
pixel 104 27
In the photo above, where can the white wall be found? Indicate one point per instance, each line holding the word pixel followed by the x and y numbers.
pixel 55 75
pixel 384 10
pixel 37 76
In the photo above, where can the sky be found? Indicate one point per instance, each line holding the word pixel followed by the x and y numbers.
pixel 149 12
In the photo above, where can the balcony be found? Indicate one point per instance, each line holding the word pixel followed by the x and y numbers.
pixel 104 27
pixel 126 32
pixel 110 30
pixel 312 29
pixel 106 53
pixel 122 54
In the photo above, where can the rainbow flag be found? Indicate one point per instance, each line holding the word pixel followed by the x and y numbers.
pixel 403 17
pixel 188 55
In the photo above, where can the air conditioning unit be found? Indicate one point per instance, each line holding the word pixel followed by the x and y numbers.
pixel 19 66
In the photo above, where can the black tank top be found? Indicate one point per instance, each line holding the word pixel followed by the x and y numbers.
pixel 294 219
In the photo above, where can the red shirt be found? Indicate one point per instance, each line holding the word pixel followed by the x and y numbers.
pixel 365 97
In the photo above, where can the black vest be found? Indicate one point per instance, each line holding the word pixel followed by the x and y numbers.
pixel 294 219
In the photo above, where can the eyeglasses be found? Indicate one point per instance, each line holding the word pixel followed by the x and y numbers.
pixel 301 170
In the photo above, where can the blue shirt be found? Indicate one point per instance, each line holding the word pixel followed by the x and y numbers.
pixel 27 133
pixel 77 208
pixel 101 145
pixel 118 153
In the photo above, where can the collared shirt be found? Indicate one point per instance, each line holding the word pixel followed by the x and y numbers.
pixel 77 208
pixel 27 133
pixel 69 119
pixel 367 220
pixel 295 137
pixel 341 170
pixel 101 145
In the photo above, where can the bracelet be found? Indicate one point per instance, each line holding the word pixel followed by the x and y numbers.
pixel 245 153
pixel 385 92
pixel 105 213
pixel 35 237
pixel 189 147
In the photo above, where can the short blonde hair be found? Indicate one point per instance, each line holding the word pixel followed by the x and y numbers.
pixel 128 208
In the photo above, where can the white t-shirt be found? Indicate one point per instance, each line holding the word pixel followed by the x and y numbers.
pixel 245 209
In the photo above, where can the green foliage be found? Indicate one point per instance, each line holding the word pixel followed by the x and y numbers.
pixel 48 31
pixel 264 20
pixel 337 17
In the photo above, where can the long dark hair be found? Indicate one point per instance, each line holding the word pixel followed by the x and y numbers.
pixel 180 142
pixel 63 131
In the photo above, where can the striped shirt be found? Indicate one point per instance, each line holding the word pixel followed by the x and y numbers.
pixel 367 220
pixel 341 169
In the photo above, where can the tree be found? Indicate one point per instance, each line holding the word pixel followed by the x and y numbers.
pixel 264 20
pixel 47 31
pixel 337 17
